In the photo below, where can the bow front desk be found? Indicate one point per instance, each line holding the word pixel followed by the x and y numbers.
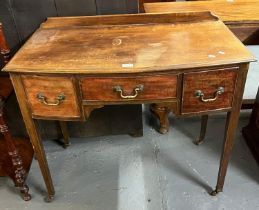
pixel 188 62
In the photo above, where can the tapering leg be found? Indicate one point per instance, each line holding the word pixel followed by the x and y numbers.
pixel 161 113
pixel 32 130
pixel 204 122
pixel 64 130
pixel 231 125
pixel 225 156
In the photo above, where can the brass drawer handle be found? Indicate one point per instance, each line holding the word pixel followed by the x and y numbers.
pixel 137 89
pixel 200 94
pixel 58 100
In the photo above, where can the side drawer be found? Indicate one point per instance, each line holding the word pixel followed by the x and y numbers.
pixel 206 91
pixel 138 88
pixel 51 96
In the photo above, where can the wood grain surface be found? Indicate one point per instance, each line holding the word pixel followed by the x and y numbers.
pixel 208 82
pixel 237 10
pixel 200 50
pixel 141 3
pixel 155 87
pixel 128 19
pixel 131 48
pixel 51 87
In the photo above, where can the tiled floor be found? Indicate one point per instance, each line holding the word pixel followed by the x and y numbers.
pixel 152 172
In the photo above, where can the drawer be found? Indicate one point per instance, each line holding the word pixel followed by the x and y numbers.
pixel 117 89
pixel 206 91
pixel 51 96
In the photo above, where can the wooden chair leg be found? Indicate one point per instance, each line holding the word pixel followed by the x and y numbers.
pixel 204 122
pixel 19 173
pixel 4 48
pixel 64 130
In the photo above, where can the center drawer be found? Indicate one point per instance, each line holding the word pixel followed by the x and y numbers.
pixel 115 89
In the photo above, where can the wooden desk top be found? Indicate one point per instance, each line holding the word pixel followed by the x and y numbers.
pixel 129 44
pixel 226 10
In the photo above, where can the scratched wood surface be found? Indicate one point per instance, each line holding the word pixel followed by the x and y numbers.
pixel 22 18
pixel 131 48
pixel 129 19
pixel 237 10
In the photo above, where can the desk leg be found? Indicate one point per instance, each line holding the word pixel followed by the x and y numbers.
pixel 64 131
pixel 231 125
pixel 204 122
pixel 161 113
pixel 32 130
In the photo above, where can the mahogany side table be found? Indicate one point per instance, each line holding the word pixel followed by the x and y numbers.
pixel 73 65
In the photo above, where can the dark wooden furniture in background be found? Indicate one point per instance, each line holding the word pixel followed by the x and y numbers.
pixel 133 72
pixel 141 3
pixel 251 131
pixel 241 17
pixel 15 153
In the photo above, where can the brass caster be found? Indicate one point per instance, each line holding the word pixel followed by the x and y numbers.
pixel 163 130
pixel 66 145
pixel 49 198
pixel 198 142
pixel 215 192
pixel 26 197
pixel 25 193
